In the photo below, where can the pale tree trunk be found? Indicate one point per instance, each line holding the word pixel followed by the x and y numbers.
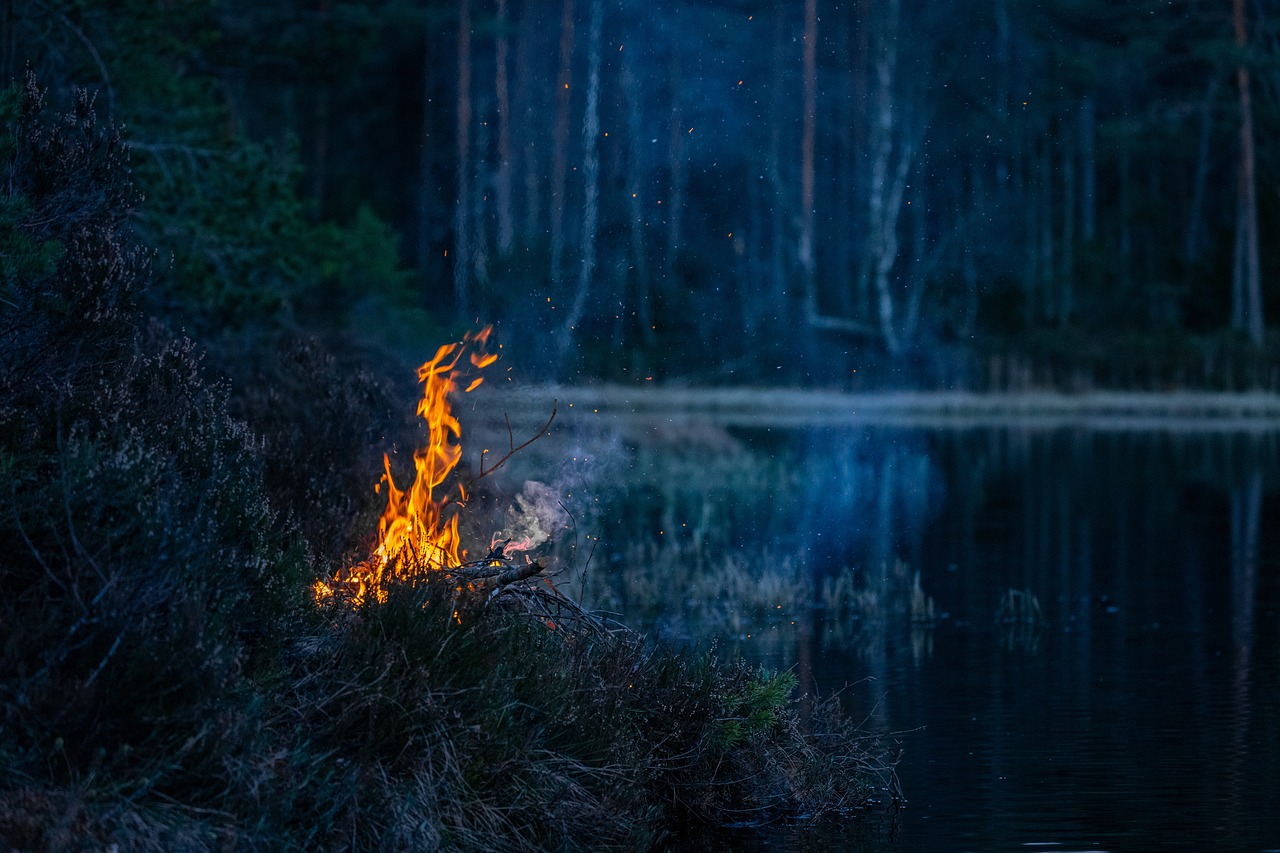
pixel 969 264
pixel 674 202
pixel 1126 228
pixel 1195 217
pixel 804 248
pixel 462 205
pixel 1028 197
pixel 639 272
pixel 1066 292
pixel 1246 309
pixel 778 208
pixel 502 180
pixel 1046 265
pixel 427 202
pixel 591 180
pixel 887 187
pixel 861 84
pixel 1088 170
pixel 527 105
pixel 480 178
pixel 560 142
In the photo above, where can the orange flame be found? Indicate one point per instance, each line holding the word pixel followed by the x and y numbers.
pixel 414 534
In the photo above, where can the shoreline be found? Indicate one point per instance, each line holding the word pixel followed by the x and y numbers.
pixel 1180 410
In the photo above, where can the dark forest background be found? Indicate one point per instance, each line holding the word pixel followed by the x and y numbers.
pixel 995 194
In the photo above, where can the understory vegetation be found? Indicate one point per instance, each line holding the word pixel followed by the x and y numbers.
pixel 167 682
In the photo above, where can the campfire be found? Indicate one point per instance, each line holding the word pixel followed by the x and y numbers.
pixel 418 532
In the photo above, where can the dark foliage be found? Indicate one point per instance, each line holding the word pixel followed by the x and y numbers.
pixel 139 553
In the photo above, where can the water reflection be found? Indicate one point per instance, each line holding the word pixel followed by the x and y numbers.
pixel 1133 708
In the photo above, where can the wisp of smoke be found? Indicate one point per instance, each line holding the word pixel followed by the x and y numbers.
pixel 536 516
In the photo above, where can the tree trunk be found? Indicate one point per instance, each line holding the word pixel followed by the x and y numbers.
pixel 805 243
pixel 888 180
pixel 1247 278
pixel 427 201
pixel 1195 217
pixel 639 266
pixel 591 181
pixel 462 205
pixel 676 156
pixel 804 247
pixel 320 149
pixel 778 207
pixel 560 142
pixel 1088 170
pixel 1067 271
pixel 528 105
pixel 502 180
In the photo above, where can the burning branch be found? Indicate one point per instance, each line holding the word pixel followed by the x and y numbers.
pixel 418 537
pixel 512 442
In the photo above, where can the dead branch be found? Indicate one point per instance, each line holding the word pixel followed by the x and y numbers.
pixel 519 573
pixel 511 443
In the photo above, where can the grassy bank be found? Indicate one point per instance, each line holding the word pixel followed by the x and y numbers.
pixel 168 683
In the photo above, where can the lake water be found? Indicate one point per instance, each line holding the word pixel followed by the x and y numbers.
pixel 1127 697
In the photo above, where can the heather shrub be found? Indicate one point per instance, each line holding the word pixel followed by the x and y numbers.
pixel 138 553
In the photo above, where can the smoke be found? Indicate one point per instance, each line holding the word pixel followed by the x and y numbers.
pixel 536 516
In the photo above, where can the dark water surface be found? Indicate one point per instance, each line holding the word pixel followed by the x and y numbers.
pixel 1142 712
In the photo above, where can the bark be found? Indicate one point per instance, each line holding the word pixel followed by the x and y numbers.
pixel 502 180
pixel 462 221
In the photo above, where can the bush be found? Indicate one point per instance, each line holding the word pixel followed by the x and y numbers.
pixel 139 555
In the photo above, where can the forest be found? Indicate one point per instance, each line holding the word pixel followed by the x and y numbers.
pixel 230 230
pixel 913 193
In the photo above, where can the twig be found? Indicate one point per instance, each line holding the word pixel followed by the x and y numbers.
pixel 514 450
pixel 110 654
